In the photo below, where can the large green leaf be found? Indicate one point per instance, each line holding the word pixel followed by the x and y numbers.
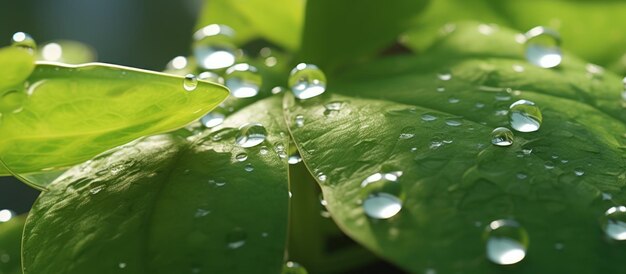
pixel 166 204
pixel 10 245
pixel 279 21
pixel 337 32
pixel 67 114
pixel 398 115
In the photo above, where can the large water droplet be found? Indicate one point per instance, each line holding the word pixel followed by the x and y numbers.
pixel 307 81
pixel 383 195
pixel 243 80
pixel 502 136
pixel 543 47
pixel 23 40
pixel 190 82
pixel 506 242
pixel 236 238
pixel 615 223
pixel 525 116
pixel 213 46
pixel 6 215
pixel 250 135
pixel 293 268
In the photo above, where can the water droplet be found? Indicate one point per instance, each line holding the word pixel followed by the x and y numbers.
pixel 236 238
pixel 321 177
pixel 548 165
pixel 307 81
pixel 23 40
pixel 213 46
pixel 241 157
pixel 506 242
pixel 332 107
pixel 249 168
pixel 96 189
pixel 521 175
pixel 444 75
pixel 190 82
pixel 525 116
pixel 277 90
pixel 6 215
pixel 293 268
pixel 440 89
pixel 294 158
pixel 383 195
pixel 502 136
pixel 543 47
pixel 407 133
pixel 121 265
pixel 250 135
pixel 263 150
pixel 453 123
pixel 606 196
pixel 453 100
pixel 579 171
pixel 299 120
pixel 243 80
pixel 200 212
pixel 615 223
pixel 213 119
pixel 212 77
pixel 428 117
pixel 12 101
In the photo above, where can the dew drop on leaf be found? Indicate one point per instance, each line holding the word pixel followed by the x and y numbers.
pixel 307 81
pixel 241 157
pixel 614 223
pixel 383 195
pixel 506 242
pixel 190 82
pixel 294 158
pixel 407 133
pixel 543 47
pixel 249 168
pixel 243 80
pixel 502 136
pixel 428 117
pixel 250 135
pixel 299 120
pixel 236 238
pixel 525 116
pixel 23 40
pixel 213 46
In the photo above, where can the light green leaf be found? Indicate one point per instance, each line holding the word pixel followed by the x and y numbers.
pixel 67 114
pixel 393 115
pixel 279 22
pixel 337 32
pixel 169 204
pixel 15 66
pixel 10 245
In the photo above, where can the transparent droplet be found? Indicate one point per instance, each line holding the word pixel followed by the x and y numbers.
pixel 383 195
pixel 321 177
pixel 293 268
pixel 23 40
pixel 444 75
pixel 453 100
pixel 212 77
pixel 236 238
pixel 190 82
pixel 299 120
pixel 6 215
pixel 579 171
pixel 429 117
pixel 548 165
pixel 96 189
pixel 12 101
pixel 525 116
pixel 453 123
pixel 307 81
pixel 249 168
pixel 213 46
pixel 543 47
pixel 213 119
pixel 294 158
pixel 250 135
pixel 614 223
pixel 507 242
pixel 241 157
pixel 277 90
pixel 332 107
pixel 407 133
pixel 502 136
pixel 243 80
pixel 121 265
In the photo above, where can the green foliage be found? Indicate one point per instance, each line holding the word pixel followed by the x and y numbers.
pixel 10 245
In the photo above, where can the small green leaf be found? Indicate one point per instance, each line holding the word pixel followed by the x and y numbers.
pixel 15 66
pixel 169 204
pixel 10 245
pixel 64 115
pixel 339 31
pixel 279 22
pixel 430 118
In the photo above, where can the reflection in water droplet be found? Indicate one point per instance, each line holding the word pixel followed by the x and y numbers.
pixel 506 242
pixel 525 116
pixel 23 40
pixel 213 46
pixel 293 268
pixel 241 157
pixel 212 77
pixel 190 82
pixel 243 80
pixel 407 133
pixel 615 223
pixel 321 177
pixel 6 215
pixel 502 136
pixel 543 47
pixel 299 120
pixel 236 238
pixel 250 135
pixel 383 195
pixel 307 81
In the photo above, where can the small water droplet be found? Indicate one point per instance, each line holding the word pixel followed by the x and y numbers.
pixel 307 81
pixel 453 123
pixel 614 223
pixel 249 168
pixel 521 175
pixel 440 89
pixel 299 120
pixel 543 47
pixel 241 157
pixel 559 246
pixel 444 75
pixel 321 177
pixel 213 119
pixel 250 135
pixel 213 46
pixel 486 29
pixel 383 195
pixel 277 90
pixel 606 196
pixel 236 238
pixel 506 242
pixel 293 268
pixel 121 265
pixel 294 158
pixel 525 116
pixel 23 40
pixel 428 117
pixel 97 189
pixel 200 212
pixel 453 100
pixel 190 82
pixel 5 258
pixel 212 77
pixel 548 165
pixel 579 171
pixel 263 150
pixel 6 215
pixel 243 80
pixel 502 136
pixel 332 107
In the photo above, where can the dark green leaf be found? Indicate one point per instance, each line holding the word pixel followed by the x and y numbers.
pixel 10 245
pixel 555 182
pixel 166 204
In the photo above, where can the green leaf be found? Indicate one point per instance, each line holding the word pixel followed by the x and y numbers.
pixel 555 182
pixel 10 245
pixel 68 114
pixel 339 31
pixel 279 22
pixel 169 204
